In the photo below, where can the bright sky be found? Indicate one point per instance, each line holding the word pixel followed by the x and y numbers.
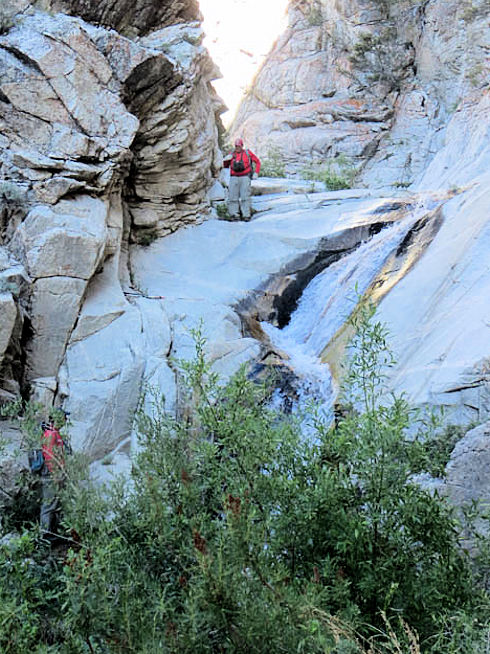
pixel 239 34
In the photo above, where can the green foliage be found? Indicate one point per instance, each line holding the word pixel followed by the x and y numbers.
pixel 382 57
pixel 461 632
pixel 404 539
pixel 223 214
pixel 386 5
pixel 23 508
pixel 315 16
pixel 238 534
pixel 334 182
pixel 272 165
pixel 145 237
pixel 336 173
pixel 438 448
pixel 476 75
pixel 29 416
pixel 222 211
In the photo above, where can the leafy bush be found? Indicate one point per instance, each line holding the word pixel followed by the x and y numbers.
pixel 383 57
pixel 336 173
pixel 238 534
pixel 222 210
pixel 315 16
pixel 272 165
pixel 144 237
pixel 29 416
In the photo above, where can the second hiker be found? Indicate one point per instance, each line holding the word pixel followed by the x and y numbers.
pixel 241 164
pixel 52 476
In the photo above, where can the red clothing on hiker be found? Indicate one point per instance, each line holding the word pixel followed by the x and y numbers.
pixel 53 448
pixel 241 156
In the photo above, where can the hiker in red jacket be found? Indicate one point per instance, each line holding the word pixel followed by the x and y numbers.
pixel 241 164
pixel 53 475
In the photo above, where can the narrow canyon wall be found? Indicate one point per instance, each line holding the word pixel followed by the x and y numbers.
pixel 108 141
pixel 398 93
pixel 105 140
pixel 366 86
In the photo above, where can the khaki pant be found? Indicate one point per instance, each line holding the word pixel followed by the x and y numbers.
pixel 239 196
pixel 50 504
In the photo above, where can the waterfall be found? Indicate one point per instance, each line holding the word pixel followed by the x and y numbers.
pixel 324 307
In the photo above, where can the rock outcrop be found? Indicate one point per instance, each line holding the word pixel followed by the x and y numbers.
pixel 108 147
pixel 398 93
pixel 366 88
pixel 105 140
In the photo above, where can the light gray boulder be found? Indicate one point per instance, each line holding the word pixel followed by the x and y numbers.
pixel 468 470
pixel 8 319
pixel 105 140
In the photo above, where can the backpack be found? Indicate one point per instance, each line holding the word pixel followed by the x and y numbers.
pixel 36 461
pixel 239 166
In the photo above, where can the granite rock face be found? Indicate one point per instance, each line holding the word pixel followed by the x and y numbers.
pixel 108 143
pixel 129 17
pixel 468 470
pixel 365 88
pixel 105 140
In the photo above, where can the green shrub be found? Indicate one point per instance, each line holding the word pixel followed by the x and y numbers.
pixel 272 165
pixel 315 17
pixel 336 173
pixel 334 182
pixel 222 210
pixel 383 57
pixel 237 533
pixel 145 237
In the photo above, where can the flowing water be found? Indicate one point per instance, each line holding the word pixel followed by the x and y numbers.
pixel 324 307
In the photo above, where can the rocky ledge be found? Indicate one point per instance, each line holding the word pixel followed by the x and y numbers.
pixel 105 140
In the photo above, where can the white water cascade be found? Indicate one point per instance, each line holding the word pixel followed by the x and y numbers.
pixel 324 307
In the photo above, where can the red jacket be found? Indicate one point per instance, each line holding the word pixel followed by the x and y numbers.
pixel 53 448
pixel 247 161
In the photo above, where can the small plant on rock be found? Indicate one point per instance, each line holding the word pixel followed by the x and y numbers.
pixel 383 58
pixel 315 16
pixel 336 173
pixel 222 211
pixel 273 163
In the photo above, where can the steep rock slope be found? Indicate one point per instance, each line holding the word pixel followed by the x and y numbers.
pixel 105 140
pixel 366 86
pixel 398 92
pixel 439 313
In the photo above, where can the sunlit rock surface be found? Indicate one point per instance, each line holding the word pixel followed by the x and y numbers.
pixel 105 140
pixel 439 315
pixel 366 87
pixel 108 150
pixel 243 280
pixel 468 470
